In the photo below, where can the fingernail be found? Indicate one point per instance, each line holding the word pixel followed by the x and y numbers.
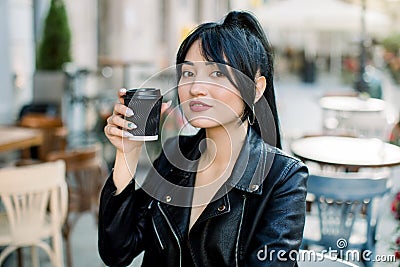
pixel 169 103
pixel 131 125
pixel 122 90
pixel 129 112
pixel 127 134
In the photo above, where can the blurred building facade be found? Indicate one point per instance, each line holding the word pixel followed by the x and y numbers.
pixel 128 31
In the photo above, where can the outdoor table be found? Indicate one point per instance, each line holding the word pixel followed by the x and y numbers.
pixel 15 138
pixel 352 104
pixel 348 152
pixel 354 115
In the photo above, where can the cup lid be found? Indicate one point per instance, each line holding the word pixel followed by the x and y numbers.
pixel 143 92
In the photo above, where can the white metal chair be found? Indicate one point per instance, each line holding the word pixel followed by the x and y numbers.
pixel 343 216
pixel 35 199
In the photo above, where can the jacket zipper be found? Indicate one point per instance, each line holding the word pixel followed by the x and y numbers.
pixel 176 237
pixel 158 236
pixel 238 236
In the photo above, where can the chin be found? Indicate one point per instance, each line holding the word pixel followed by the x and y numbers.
pixel 204 123
pixel 207 123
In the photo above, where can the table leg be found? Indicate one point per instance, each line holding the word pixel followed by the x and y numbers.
pixel 20 257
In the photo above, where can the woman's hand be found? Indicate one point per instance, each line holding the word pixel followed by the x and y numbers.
pixel 117 127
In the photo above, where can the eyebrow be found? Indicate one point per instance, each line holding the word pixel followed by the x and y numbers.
pixel 192 63
pixel 188 63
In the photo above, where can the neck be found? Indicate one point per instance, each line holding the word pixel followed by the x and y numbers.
pixel 224 143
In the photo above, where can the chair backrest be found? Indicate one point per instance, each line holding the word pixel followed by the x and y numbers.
pixel 54 133
pixel 49 109
pixel 309 258
pixel 341 200
pixel 35 120
pixel 86 173
pixel 34 196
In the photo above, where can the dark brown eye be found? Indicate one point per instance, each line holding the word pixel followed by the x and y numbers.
pixel 187 73
pixel 217 74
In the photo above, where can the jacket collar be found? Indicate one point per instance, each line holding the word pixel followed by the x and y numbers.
pixel 250 168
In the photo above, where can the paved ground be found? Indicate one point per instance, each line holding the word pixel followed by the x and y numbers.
pixel 299 113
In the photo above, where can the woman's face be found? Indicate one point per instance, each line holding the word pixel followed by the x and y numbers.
pixel 207 96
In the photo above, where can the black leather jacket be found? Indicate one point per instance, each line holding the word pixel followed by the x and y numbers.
pixel 258 222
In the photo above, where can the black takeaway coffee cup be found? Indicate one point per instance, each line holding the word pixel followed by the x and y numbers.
pixel 146 106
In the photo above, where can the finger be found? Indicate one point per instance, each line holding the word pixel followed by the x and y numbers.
pixel 165 106
pixel 115 131
pixel 121 93
pixel 121 109
pixel 109 119
pixel 120 122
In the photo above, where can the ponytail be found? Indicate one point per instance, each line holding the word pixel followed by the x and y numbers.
pixel 249 23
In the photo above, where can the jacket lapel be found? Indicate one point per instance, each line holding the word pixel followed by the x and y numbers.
pixel 252 165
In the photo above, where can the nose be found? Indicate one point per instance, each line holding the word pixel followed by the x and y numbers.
pixel 198 88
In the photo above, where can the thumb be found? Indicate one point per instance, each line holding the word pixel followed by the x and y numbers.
pixel 165 106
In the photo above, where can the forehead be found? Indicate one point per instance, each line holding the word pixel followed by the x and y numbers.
pixel 195 53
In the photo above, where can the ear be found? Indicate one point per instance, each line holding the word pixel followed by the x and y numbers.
pixel 261 84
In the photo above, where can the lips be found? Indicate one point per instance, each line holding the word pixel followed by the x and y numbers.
pixel 198 106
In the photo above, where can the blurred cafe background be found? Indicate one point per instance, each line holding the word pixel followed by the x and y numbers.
pixel 337 79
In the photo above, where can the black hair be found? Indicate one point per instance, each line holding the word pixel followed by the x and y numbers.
pixel 240 42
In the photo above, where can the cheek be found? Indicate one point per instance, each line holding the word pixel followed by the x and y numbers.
pixel 238 106
pixel 184 97
pixel 182 93
pixel 232 103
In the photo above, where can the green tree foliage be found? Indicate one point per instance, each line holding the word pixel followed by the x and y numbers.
pixel 54 49
pixel 392 55
pixel 392 43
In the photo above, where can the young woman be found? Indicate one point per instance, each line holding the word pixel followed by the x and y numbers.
pixel 227 196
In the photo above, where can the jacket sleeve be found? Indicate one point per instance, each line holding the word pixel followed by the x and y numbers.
pixel 122 223
pixel 279 233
